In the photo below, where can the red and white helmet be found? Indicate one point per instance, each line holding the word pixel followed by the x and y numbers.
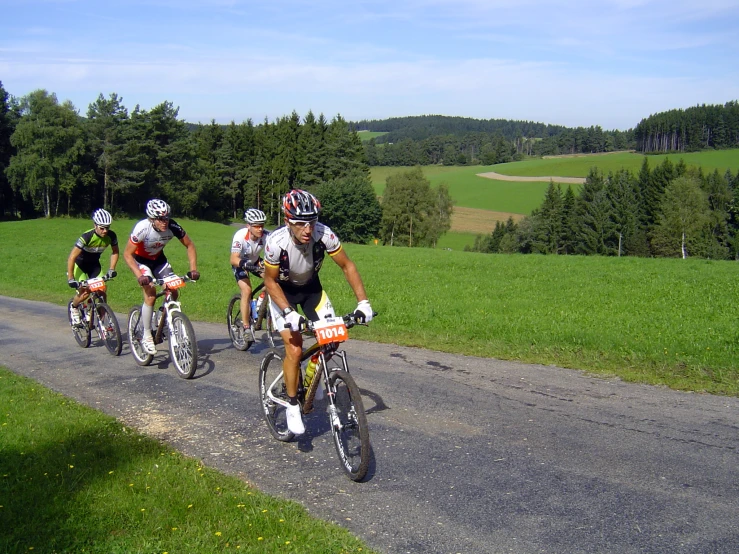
pixel 157 208
pixel 300 204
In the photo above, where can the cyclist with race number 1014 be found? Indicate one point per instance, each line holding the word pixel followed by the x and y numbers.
pixel 293 257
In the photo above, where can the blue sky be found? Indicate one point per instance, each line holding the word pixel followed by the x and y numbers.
pixel 566 62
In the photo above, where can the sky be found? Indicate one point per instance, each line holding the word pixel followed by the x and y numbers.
pixel 562 62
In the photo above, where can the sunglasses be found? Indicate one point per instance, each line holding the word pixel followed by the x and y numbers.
pixel 105 227
pixel 163 219
pixel 301 223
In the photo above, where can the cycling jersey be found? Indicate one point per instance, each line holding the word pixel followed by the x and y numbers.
pixel 150 242
pixel 92 246
pixel 299 263
pixel 248 247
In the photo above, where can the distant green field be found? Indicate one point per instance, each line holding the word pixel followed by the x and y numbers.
pixel 367 135
pixel 580 166
pixel 668 321
pixel 470 191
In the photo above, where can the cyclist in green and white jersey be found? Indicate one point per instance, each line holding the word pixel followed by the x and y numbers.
pixel 84 259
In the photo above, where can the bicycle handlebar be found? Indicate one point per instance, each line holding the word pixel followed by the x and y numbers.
pixel 351 319
pixel 81 284
pixel 160 282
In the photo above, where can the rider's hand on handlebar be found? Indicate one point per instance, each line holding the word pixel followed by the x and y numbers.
pixel 144 280
pixel 73 284
pixel 294 320
pixel 193 275
pixel 363 313
pixel 111 273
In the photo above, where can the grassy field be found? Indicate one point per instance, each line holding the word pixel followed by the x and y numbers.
pixel 662 321
pixel 75 480
pixel 368 135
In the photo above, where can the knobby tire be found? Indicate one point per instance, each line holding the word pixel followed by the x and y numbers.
pixel 136 335
pixel 183 346
pixel 352 438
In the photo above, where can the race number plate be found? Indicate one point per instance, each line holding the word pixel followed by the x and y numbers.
pixel 173 282
pixel 330 330
pixel 97 284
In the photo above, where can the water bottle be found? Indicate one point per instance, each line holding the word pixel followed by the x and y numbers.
pixel 310 371
pixel 253 310
pixel 259 301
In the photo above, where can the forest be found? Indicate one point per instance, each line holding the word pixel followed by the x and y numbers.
pixel 690 130
pixel 436 139
pixel 54 162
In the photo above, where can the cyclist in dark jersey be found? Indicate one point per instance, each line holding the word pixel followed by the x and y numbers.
pixel 84 260
pixel 293 256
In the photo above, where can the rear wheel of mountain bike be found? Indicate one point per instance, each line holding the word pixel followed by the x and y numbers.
pixel 81 332
pixel 136 336
pixel 108 329
pixel 183 347
pixel 239 338
pixel 349 427
pixel 270 379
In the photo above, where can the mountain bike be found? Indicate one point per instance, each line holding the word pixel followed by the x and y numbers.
pixel 241 338
pixel 169 321
pixel 96 314
pixel 347 417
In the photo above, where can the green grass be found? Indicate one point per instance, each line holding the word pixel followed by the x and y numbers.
pixel 456 241
pixel 470 191
pixel 368 135
pixel 662 321
pixel 75 480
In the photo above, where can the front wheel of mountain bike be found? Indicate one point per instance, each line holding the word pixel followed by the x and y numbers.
pixel 183 346
pixel 271 379
pixel 136 336
pixel 81 332
pixel 349 425
pixel 108 329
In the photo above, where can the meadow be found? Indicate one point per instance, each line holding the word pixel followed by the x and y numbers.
pixel 469 190
pixel 76 480
pixel 659 321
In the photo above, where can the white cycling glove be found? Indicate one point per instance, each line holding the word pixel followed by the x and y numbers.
pixel 294 319
pixel 364 311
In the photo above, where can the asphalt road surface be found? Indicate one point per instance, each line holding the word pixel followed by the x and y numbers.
pixel 469 455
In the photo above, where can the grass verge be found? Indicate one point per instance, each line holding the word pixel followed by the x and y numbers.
pixel 75 480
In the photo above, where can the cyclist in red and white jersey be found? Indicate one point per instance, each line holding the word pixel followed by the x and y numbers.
pixel 144 254
pixel 293 256
pixel 246 249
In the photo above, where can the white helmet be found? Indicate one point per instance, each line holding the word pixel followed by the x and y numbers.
pixel 254 217
pixel 102 217
pixel 157 208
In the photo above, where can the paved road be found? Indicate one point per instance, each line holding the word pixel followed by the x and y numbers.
pixel 470 455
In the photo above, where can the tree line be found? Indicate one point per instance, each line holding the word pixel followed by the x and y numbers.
pixel 427 140
pixel 54 162
pixel 668 211
pixel 696 128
